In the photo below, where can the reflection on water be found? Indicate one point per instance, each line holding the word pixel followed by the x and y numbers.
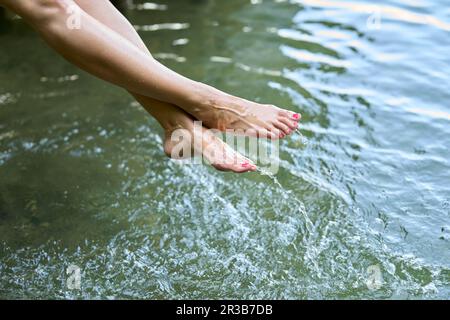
pixel 84 181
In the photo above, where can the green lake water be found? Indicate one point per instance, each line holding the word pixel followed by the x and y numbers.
pixel 84 180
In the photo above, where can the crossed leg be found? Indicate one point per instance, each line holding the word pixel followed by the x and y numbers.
pixel 108 55
pixel 171 117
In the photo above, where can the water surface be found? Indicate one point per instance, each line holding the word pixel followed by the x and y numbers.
pixel 84 180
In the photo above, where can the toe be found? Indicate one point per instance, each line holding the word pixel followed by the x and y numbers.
pixel 245 167
pixel 293 125
pixel 283 127
pixel 269 133
pixel 290 115
pixel 296 116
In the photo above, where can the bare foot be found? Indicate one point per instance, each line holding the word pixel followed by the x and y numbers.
pixel 203 142
pixel 223 111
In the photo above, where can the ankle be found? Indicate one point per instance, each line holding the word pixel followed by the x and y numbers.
pixel 205 96
pixel 176 122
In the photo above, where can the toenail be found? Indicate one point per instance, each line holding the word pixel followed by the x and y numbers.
pixel 245 164
pixel 296 116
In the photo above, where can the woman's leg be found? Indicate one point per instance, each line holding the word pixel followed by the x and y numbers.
pixel 215 151
pixel 106 54
pixel 104 12
pixel 169 116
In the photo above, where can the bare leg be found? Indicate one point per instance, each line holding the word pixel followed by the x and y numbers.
pixel 215 151
pixel 169 116
pixel 101 51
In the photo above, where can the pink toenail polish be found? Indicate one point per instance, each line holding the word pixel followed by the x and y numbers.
pixel 296 116
pixel 245 164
